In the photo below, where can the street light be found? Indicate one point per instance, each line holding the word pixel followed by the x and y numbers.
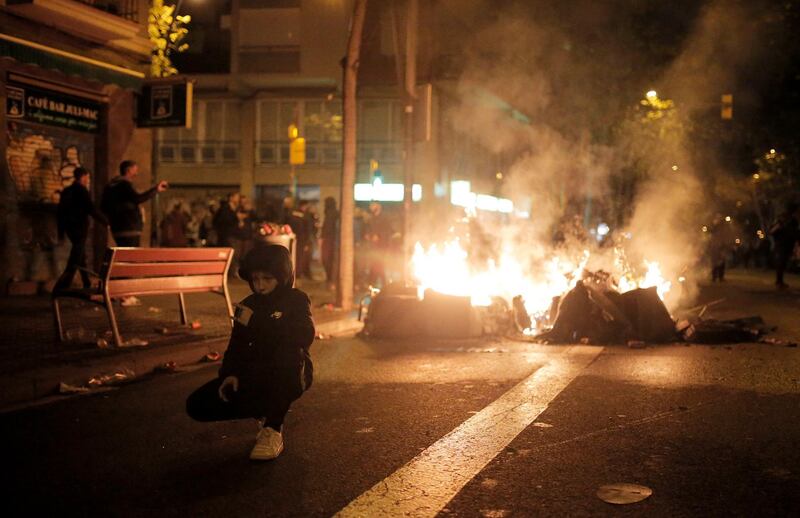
pixel 651 94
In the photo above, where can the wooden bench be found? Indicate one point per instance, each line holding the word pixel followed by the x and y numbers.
pixel 154 271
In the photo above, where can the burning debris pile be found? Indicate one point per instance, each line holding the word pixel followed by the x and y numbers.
pixel 594 312
pixel 565 303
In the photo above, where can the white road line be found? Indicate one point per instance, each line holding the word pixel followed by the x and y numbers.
pixel 431 479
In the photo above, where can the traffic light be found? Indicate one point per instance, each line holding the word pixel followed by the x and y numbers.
pixel 726 107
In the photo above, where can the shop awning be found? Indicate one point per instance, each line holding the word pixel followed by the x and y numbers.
pixel 69 63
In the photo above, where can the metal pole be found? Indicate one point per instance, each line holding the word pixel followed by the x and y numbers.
pixel 408 119
pixel 293 183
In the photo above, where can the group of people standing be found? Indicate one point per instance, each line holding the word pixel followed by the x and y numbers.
pixel 774 249
pixel 231 223
pixel 119 210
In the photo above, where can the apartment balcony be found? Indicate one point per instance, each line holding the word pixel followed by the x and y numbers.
pixel 276 153
pixel 207 152
pixel 112 22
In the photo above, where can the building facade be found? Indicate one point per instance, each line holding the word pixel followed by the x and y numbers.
pixel 69 74
pixel 261 66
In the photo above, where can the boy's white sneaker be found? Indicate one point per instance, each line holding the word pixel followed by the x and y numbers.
pixel 269 444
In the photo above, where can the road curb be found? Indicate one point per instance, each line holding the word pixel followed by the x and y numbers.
pixel 30 385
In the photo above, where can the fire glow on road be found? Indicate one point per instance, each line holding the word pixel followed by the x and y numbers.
pixel 429 481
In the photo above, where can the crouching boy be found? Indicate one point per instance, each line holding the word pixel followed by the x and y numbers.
pixel 267 365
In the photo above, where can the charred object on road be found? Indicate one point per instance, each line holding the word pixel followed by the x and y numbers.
pixel 591 312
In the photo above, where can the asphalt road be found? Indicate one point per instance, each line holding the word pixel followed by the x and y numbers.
pixel 711 430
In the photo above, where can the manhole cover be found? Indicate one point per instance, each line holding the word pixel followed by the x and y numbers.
pixel 623 493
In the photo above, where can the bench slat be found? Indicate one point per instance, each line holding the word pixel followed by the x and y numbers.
pixel 154 255
pixel 166 269
pixel 158 285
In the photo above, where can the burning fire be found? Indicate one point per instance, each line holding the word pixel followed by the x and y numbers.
pixel 446 269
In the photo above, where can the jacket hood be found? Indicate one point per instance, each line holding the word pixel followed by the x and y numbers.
pixel 274 259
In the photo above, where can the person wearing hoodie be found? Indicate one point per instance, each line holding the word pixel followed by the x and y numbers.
pixel 267 365
pixel 120 203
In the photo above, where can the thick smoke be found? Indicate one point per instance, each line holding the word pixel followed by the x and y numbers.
pixel 562 98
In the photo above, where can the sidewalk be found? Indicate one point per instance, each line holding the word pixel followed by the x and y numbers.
pixel 33 363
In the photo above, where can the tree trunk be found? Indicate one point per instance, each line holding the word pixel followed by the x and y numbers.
pixel 345 285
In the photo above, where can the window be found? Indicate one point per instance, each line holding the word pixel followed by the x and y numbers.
pixel 213 138
pixel 319 121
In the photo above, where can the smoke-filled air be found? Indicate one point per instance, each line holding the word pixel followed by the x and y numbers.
pixel 597 148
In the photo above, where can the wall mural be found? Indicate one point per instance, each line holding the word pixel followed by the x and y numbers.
pixel 41 160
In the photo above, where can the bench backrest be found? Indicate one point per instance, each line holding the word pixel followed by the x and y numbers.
pixel 142 271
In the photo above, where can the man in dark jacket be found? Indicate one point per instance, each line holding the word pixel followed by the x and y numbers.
pixel 74 209
pixel 225 221
pixel 785 234
pixel 121 202
pixel 296 219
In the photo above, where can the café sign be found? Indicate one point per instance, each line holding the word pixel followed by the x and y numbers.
pixel 165 104
pixel 28 103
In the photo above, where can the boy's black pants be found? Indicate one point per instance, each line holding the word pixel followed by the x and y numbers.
pixel 204 404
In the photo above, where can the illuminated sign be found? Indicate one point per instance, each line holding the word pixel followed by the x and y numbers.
pixel 385 192
pixel 461 195
pixel 165 104
pixel 32 104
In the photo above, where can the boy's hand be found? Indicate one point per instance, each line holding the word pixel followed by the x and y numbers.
pixel 230 381
pixel 162 186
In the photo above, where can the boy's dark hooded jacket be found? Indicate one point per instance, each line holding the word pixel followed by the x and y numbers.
pixel 269 351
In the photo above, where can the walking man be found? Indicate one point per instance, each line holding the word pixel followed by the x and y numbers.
pixel 785 233
pixel 121 204
pixel 74 209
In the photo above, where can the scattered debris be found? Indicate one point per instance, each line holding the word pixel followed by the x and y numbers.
pixel 102 343
pixel 213 356
pixel 130 301
pixel 66 388
pixel 118 377
pixel 489 483
pixel 636 344
pixel 778 341
pixel 542 425
pixel 704 307
pixel 80 335
pixel 366 430
pixel 153 309
pixel 135 342
pixel 162 330
pixel 321 336
pixel 167 367
pixel 196 324
pixel 711 331
pixel 623 493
